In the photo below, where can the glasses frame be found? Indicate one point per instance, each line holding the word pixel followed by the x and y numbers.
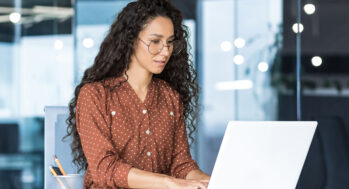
pixel 160 49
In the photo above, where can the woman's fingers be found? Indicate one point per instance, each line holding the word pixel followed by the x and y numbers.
pixel 202 185
pixel 205 182
pixel 189 184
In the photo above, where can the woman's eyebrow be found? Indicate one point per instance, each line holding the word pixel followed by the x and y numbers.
pixel 159 35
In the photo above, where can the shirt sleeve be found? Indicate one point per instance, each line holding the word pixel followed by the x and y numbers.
pixel 182 162
pixel 93 125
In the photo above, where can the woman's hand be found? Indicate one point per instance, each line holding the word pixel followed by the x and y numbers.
pixel 197 174
pixel 174 183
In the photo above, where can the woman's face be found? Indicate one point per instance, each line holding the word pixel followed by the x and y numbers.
pixel 157 32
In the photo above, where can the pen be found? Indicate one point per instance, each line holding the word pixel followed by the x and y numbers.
pixel 55 174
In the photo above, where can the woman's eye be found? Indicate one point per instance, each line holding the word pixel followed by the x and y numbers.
pixel 155 41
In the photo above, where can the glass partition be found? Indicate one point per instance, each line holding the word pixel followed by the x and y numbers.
pixel 36 69
pixel 91 29
pixel 238 50
pixel 249 55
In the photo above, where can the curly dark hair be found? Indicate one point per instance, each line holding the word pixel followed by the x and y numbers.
pixel 113 60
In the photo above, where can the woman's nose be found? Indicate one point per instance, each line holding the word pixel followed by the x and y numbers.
pixel 165 51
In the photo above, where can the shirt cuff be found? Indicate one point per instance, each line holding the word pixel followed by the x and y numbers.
pixel 121 175
pixel 185 169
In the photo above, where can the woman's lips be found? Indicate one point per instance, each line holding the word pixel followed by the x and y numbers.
pixel 160 63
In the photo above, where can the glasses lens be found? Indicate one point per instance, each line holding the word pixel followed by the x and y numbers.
pixel 155 47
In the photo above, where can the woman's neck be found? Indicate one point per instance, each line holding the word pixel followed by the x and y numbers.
pixel 139 79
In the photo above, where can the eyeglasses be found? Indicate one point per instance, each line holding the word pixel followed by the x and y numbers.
pixel 156 46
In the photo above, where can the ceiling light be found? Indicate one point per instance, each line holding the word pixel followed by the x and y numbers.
pixel 88 42
pixel 15 17
pixel 58 45
pixel 238 59
pixel 296 26
pixel 263 66
pixel 239 43
pixel 309 8
pixel 234 85
pixel 226 46
pixel 316 61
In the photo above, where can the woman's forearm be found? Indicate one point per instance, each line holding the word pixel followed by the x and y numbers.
pixel 197 175
pixel 143 179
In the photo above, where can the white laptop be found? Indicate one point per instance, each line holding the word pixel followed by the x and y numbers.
pixel 262 154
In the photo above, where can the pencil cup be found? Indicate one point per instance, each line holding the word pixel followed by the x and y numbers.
pixel 69 181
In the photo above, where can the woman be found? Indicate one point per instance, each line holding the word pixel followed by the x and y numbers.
pixel 128 115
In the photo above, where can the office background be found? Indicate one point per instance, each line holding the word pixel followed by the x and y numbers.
pixel 245 55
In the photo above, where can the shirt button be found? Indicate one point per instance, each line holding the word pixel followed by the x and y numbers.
pixel 148 153
pixel 148 132
pixel 113 113
pixel 144 111
pixel 171 113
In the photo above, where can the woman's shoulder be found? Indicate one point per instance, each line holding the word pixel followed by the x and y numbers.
pixel 91 91
pixel 99 87
pixel 93 87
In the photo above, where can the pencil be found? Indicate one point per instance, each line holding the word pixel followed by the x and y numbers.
pixel 59 165
pixel 62 170
pixel 55 174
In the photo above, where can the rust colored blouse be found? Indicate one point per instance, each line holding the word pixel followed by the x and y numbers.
pixel 119 131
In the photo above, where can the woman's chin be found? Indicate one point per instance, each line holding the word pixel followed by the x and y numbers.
pixel 157 71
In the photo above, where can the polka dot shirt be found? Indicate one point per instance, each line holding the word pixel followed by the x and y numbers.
pixel 119 131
